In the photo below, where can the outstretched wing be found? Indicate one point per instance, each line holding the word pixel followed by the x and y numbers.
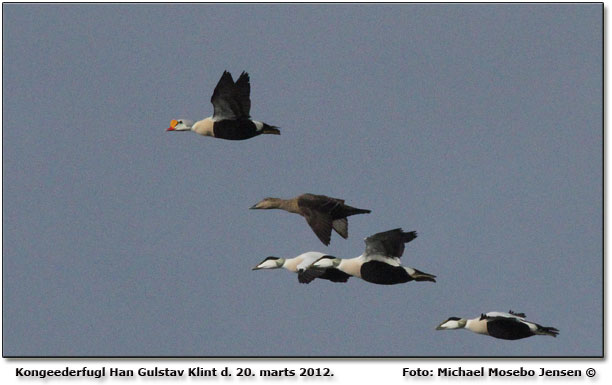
pixel 341 227
pixel 310 274
pixel 243 92
pixel 389 243
pixel 318 211
pixel 520 315
pixel 499 314
pixel 330 274
pixel 227 98
pixel 320 223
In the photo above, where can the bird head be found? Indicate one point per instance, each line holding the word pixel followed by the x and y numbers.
pixel 266 203
pixel 452 323
pixel 180 125
pixel 270 263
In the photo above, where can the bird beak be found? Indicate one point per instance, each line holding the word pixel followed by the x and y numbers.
pixel 173 124
pixel 256 268
pixel 439 327
pixel 254 207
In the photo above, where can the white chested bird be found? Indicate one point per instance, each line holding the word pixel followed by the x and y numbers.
pixel 506 326
pixel 231 117
pixel 380 263
pixel 302 266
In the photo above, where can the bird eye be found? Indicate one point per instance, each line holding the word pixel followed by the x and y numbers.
pixel 180 122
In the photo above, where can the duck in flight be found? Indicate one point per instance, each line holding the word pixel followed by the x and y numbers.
pixel 380 263
pixel 230 120
pixel 301 265
pixel 506 326
pixel 321 212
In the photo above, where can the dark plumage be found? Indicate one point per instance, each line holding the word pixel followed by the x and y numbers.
pixel 231 118
pixel 515 328
pixel 321 212
pixel 232 100
pixel 379 263
pixel 334 275
pixel 508 329
pixel 302 266
pixel 505 326
pixel 388 243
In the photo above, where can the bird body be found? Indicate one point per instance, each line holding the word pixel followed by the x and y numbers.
pixel 231 119
pixel 506 326
pixel 302 266
pixel 322 213
pixel 380 263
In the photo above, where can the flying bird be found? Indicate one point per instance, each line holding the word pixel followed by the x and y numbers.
pixel 301 265
pixel 506 326
pixel 230 119
pixel 380 263
pixel 321 212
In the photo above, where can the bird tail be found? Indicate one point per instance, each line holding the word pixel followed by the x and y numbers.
pixel 407 237
pixel 420 276
pixel 267 129
pixel 353 211
pixel 547 331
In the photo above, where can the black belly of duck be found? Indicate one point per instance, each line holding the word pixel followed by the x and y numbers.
pixel 384 274
pixel 240 129
pixel 335 275
pixel 508 329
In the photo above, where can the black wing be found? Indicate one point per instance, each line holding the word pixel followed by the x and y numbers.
pixel 331 274
pixel 310 274
pixel 389 243
pixel 226 100
pixel 243 92
pixel 522 315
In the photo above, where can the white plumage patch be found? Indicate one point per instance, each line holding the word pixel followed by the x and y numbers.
pixel 381 258
pixel 268 264
pixel 308 259
pixel 324 263
pixel 351 266
pixel 531 325
pixel 502 314
pixel 450 325
pixel 204 127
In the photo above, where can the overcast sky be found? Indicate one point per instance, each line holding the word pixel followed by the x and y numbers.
pixel 479 126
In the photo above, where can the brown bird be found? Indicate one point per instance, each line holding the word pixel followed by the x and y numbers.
pixel 321 212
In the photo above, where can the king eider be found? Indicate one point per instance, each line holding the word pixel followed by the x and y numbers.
pixel 506 326
pixel 321 212
pixel 380 263
pixel 230 119
pixel 301 265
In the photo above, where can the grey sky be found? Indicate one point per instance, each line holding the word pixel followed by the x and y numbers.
pixel 479 126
